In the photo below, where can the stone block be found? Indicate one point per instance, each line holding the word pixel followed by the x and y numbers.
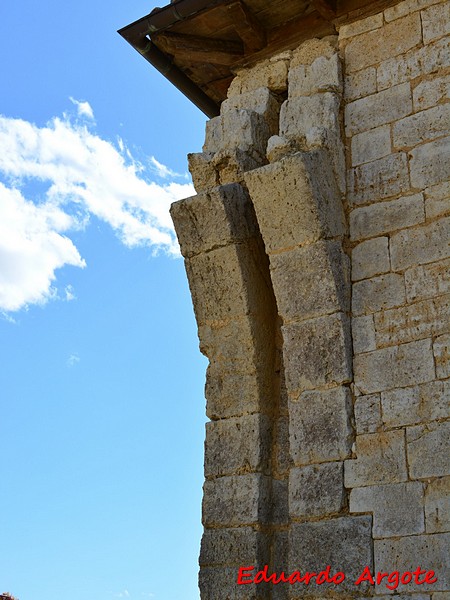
pixel 296 200
pixel 437 505
pixel 237 445
pixel 375 110
pixel 427 281
pixel 368 413
pixel 300 114
pixel 244 129
pixel 397 508
pixel 311 281
pixel 322 347
pixel 418 404
pixel 385 217
pixel 279 508
pixel 310 50
pixel 360 84
pixel 380 459
pixel 423 126
pixel 413 322
pixel 441 351
pixel 231 164
pixel 261 101
pixel 370 258
pixel 316 490
pixel 428 448
pixel 213 135
pixel 378 293
pixel 405 8
pixel 344 543
pixel 272 74
pixel 320 426
pixel 430 163
pixel 394 367
pixel 282 459
pixel 363 334
pixel 204 175
pixel 221 216
pixel 391 40
pixel 234 547
pixel 421 245
pixel 236 500
pixel 437 200
pixel 378 179
pixel 323 75
pixel 361 26
pixel 435 22
pixel 220 583
pixel 370 145
pixel 430 92
pixel 405 554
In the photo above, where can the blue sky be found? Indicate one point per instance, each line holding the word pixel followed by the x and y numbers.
pixel 101 384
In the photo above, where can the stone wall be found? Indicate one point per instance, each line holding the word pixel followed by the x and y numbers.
pixel 318 260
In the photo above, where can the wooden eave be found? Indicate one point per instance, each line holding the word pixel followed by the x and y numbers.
pixel 199 44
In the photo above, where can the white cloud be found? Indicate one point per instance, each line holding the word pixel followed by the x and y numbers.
pixel 70 293
pixel 83 175
pixel 161 170
pixel 84 108
pixel 73 360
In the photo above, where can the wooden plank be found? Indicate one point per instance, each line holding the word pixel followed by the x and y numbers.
pixel 325 8
pixel 349 11
pixel 247 26
pixel 199 49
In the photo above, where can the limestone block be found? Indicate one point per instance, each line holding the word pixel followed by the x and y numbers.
pixel 441 596
pixel 380 459
pixel 391 40
pixel 368 414
pixel 428 448
pixel 430 163
pixel 322 347
pixel 441 350
pixel 422 245
pixel 278 147
pixel 234 546
pixel 236 500
pixel 310 50
pixel 375 110
pixel 213 135
pixel 437 506
pixel 281 454
pixel 272 73
pixel 397 508
pixel 231 164
pixel 378 179
pixel 363 334
pixel 322 137
pixel 427 281
pixel 378 293
pixel 244 129
pixel 370 145
pixel 437 200
pixel 403 555
pixel 360 84
pixel 296 200
pixel 394 367
pixel 435 22
pixel 323 75
pixel 316 490
pixel 430 92
pixel 319 427
pixel 237 445
pixel 361 26
pixel 423 126
pixel 385 217
pixel 405 8
pixel 412 322
pixel 311 281
pixel 215 218
pixel 301 113
pixel 370 258
pixel 204 175
pixel 220 583
pixel 344 543
pixel 261 101
pixel 280 513
pixel 418 404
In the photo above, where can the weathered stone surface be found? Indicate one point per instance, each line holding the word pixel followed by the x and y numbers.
pixel 413 322
pixel 421 245
pixel 370 145
pixel 430 92
pixel 316 490
pixel 370 258
pixel 317 352
pixel 344 543
pixel 441 351
pixel 435 22
pixel 279 508
pixel 272 73
pixel 437 198
pixel 296 200
pixel 403 555
pixel 360 84
pixel 423 126
pixel 394 367
pixel 437 506
pixel 418 404
pixel 380 459
pixel 430 163
pixel 261 101
pixel 428 449
pixel 378 179
pixel 311 281
pixel 237 445
pixel 397 508
pixel 231 164
pixel 213 135
pixel 377 45
pixel 378 293
pixel 323 75
pixel 310 50
pixel 216 218
pixel 204 175
pixel 385 217
pixel 237 547
pixel 220 583
pixel 363 334
pixel 405 8
pixel 368 413
pixel 319 426
pixel 361 26
pixel 302 113
pixel 281 454
pixel 236 500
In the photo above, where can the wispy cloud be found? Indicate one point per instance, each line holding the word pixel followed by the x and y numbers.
pixel 161 170
pixel 82 175
pixel 73 360
pixel 84 108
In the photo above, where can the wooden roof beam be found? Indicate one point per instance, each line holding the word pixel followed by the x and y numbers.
pixel 325 8
pixel 247 26
pixel 199 49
